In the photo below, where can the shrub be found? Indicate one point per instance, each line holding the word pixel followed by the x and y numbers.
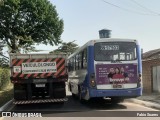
pixel 4 78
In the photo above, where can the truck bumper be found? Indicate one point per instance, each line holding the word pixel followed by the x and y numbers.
pixel 17 102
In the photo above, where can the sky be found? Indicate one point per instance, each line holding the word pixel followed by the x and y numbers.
pixel 133 19
pixel 84 18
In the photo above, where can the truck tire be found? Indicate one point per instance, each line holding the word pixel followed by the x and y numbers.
pixel 20 95
pixel 19 92
pixel 59 93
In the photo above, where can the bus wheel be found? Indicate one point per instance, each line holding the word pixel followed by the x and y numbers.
pixel 73 95
pixel 80 96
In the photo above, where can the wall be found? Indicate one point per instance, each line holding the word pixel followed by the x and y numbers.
pixel 147 74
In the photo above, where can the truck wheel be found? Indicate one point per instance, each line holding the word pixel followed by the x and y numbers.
pixel 59 93
pixel 19 92
pixel 20 95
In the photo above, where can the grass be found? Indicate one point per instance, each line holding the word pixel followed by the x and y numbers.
pixel 6 94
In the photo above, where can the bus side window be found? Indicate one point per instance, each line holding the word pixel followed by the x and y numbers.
pixel 82 56
pixel 69 65
pixel 79 60
pixel 75 63
pixel 72 64
pixel 85 59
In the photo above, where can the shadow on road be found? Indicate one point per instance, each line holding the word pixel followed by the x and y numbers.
pixel 101 104
pixel 72 105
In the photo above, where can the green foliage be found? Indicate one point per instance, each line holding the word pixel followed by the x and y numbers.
pixel 1 2
pixel 26 22
pixel 4 61
pixel 4 78
pixel 6 95
pixel 67 48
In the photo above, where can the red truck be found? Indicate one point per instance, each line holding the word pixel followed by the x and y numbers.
pixel 38 78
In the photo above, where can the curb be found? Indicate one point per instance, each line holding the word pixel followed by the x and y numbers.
pixel 6 105
pixel 145 103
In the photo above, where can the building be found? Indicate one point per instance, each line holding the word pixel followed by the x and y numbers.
pixel 151 71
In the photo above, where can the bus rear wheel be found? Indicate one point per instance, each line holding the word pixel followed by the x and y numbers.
pixel 73 95
pixel 80 96
pixel 116 100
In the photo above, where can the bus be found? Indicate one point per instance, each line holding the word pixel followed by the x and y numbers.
pixel 106 68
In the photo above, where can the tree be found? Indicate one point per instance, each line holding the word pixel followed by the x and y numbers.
pixel 4 61
pixel 67 48
pixel 24 23
pixel 1 2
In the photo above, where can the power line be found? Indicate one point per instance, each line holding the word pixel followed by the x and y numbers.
pixel 125 9
pixel 147 9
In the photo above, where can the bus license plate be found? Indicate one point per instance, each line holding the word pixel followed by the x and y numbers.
pixel 40 85
pixel 117 86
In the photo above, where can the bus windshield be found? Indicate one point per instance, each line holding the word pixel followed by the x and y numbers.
pixel 115 51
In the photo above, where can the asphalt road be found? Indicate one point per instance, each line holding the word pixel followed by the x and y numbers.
pixel 90 110
pixel 74 105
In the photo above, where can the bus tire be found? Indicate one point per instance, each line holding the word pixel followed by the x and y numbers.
pixel 80 96
pixel 69 87
pixel 73 95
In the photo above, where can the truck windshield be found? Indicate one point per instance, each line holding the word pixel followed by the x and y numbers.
pixel 115 51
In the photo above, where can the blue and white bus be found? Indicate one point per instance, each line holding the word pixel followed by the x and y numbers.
pixel 106 67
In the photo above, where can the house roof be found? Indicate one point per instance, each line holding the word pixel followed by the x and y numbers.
pixel 152 54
